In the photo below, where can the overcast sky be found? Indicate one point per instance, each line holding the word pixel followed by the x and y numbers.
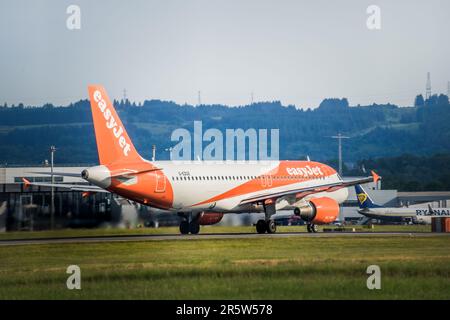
pixel 298 52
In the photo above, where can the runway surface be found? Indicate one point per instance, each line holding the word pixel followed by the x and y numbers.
pixel 162 237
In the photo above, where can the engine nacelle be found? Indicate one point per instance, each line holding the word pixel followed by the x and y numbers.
pixel 319 211
pixel 209 218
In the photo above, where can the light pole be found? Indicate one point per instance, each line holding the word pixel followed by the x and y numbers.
pixel 340 137
pixel 52 209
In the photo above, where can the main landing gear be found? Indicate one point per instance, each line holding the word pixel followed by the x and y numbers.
pixel 267 225
pixel 312 228
pixel 189 225
pixel 263 226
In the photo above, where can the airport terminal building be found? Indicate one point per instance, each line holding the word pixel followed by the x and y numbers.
pixel 29 207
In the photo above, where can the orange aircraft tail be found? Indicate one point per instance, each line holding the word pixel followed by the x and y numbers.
pixel 113 142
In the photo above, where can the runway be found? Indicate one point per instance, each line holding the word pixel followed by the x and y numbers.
pixel 206 236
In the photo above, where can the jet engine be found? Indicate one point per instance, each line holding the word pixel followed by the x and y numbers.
pixel 318 211
pixel 209 218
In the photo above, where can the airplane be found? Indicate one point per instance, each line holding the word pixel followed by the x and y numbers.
pixel 417 215
pixel 201 192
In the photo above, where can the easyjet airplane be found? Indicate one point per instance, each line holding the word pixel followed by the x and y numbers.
pixel 201 192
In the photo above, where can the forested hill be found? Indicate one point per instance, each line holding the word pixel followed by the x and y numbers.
pixel 409 172
pixel 375 131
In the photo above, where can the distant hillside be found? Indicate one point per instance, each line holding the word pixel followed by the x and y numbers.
pixel 376 131
pixel 409 172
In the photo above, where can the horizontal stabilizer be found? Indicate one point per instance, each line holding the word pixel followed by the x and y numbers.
pixel 73 187
pixel 63 174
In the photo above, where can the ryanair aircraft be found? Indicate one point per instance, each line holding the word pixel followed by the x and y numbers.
pixel 418 215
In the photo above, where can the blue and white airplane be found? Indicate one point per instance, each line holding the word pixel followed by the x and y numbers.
pixel 417 215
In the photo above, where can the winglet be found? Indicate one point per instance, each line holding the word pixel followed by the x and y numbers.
pixel 375 176
pixel 26 182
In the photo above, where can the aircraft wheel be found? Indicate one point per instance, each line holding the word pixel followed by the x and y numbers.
pixel 184 227
pixel 308 227
pixel 261 226
pixel 314 228
pixel 271 226
pixel 194 227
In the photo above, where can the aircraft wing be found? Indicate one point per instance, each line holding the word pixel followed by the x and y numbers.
pixel 74 187
pixel 302 192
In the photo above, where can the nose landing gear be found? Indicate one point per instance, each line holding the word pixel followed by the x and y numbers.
pixel 312 228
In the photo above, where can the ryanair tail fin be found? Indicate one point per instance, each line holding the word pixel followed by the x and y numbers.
pixel 113 142
pixel 364 200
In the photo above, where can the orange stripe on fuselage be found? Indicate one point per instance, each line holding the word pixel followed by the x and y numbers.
pixel 297 171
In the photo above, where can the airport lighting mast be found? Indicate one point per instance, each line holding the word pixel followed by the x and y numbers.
pixel 428 87
pixel 52 208
pixel 153 152
pixel 339 137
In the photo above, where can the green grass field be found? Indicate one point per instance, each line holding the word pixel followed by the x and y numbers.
pixel 256 268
